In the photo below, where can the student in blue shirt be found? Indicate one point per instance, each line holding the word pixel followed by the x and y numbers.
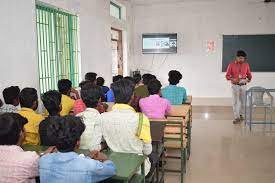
pixel 175 94
pixel 68 166
pixel 110 93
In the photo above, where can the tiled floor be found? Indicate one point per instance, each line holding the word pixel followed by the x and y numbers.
pixel 227 153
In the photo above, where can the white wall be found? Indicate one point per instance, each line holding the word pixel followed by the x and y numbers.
pixel 18 44
pixel 196 22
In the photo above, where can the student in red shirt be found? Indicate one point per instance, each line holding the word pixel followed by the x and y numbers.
pixel 238 72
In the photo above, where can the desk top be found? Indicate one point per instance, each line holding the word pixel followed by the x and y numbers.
pixel 179 111
pixel 126 164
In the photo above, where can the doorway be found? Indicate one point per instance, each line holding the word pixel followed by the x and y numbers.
pixel 117 52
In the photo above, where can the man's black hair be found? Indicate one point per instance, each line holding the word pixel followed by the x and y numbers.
pixel 64 86
pixel 147 77
pixel 91 94
pixel 174 77
pixel 154 86
pixel 123 91
pixel 65 132
pixel 52 101
pixel 27 97
pixel 241 53
pixel 129 78
pixel 90 76
pixel 100 81
pixel 11 94
pixel 11 125
pixel 137 78
pixel 117 78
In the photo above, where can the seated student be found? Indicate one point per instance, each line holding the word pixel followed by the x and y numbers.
pixel 120 125
pixel 100 82
pixel 110 94
pixel 79 105
pixel 135 100
pixel 91 137
pixel 68 166
pixel 154 106
pixel 16 165
pixel 52 102
pixel 175 94
pixel 91 76
pixel 11 98
pixel 65 88
pixel 29 102
pixel 142 89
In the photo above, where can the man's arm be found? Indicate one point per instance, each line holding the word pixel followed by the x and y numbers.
pixel 228 72
pixel 249 75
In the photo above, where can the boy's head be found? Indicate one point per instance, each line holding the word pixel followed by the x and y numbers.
pixel 90 95
pixel 100 81
pixel 174 77
pixel 11 95
pixel 130 78
pixel 52 102
pixel 65 132
pixel 28 98
pixel 123 91
pixel 137 78
pixel 240 56
pixel 154 86
pixel 147 77
pixel 64 86
pixel 12 129
pixel 90 76
pixel 117 78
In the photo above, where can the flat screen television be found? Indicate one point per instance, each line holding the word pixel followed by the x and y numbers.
pixel 159 43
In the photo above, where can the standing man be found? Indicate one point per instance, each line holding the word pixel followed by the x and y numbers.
pixel 238 72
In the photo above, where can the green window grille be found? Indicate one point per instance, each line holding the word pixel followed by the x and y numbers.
pixel 58 47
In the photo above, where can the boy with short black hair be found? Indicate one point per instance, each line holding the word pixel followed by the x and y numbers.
pixel 68 166
pixel 154 106
pixel 92 136
pixel 29 102
pixel 110 94
pixel 123 119
pixel 65 88
pixel 91 76
pixel 52 102
pixel 16 165
pixel 175 94
pixel 11 98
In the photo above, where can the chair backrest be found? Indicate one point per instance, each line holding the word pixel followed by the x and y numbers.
pixel 257 96
pixel 157 131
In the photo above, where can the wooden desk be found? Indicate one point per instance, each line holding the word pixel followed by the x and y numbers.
pixel 126 164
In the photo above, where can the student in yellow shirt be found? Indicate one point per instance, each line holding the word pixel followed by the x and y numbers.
pixel 29 102
pixel 65 88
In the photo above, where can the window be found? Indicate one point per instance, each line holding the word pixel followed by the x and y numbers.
pixel 58 47
pixel 115 10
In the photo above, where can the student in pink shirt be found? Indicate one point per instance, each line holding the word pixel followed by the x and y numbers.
pixel 16 165
pixel 154 106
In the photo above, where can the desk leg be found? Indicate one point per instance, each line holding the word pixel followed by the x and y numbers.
pixel 143 172
pixel 188 137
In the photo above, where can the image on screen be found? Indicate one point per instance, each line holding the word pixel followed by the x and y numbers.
pixel 159 43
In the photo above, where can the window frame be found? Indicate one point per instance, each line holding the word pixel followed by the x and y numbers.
pixel 118 7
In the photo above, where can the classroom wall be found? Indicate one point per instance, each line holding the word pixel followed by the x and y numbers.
pixel 18 44
pixel 196 22
pixel 18 39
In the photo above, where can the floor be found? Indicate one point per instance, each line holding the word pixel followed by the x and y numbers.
pixel 227 153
